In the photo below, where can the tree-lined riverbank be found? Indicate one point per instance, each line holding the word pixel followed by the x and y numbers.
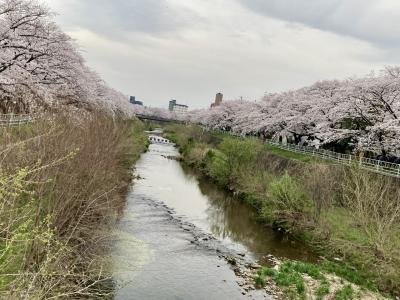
pixel 344 213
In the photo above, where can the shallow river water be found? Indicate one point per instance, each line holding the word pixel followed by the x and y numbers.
pixel 177 231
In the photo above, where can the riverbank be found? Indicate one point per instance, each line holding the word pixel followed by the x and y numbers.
pixel 347 215
pixel 63 181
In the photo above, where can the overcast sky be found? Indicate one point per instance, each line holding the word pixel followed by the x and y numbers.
pixel 190 49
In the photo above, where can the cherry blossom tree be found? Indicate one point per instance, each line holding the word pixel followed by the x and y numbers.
pixel 362 113
pixel 41 67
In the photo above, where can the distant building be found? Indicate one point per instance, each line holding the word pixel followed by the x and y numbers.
pixel 172 103
pixel 177 108
pixel 218 100
pixel 133 100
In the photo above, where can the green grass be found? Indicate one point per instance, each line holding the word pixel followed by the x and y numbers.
pixel 289 154
pixel 275 150
pixel 306 158
pixel 290 277
pixel 346 293
pixel 16 131
pixel 291 273
pixel 270 148
pixel 350 274
pixel 323 290
pixel 344 226
pixel 312 270
pixel 139 145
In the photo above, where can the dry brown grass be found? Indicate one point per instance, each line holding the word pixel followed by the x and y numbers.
pixel 62 184
pixel 374 201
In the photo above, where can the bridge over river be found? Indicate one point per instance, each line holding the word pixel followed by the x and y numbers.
pixel 157 119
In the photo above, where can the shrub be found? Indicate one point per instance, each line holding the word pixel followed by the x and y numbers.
pixel 239 153
pixel 196 156
pixel 374 202
pixel 288 203
pixel 217 167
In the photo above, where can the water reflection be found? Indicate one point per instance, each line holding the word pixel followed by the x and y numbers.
pixel 235 222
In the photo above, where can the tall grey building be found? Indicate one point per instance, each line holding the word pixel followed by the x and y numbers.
pixel 218 100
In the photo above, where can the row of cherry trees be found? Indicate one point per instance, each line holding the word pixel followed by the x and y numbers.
pixel 358 114
pixel 41 67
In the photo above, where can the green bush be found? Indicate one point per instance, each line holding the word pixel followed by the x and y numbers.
pixel 288 204
pixel 239 152
pixel 217 167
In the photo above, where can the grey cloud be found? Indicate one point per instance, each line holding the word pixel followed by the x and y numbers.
pixel 375 21
pixel 224 47
pixel 116 17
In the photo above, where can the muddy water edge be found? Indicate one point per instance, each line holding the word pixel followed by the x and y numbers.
pixel 181 237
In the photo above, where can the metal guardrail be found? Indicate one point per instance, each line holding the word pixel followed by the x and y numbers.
pixel 378 166
pixel 9 120
pixel 374 165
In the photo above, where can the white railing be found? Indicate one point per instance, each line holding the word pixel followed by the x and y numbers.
pixel 7 120
pixel 374 165
pixel 382 167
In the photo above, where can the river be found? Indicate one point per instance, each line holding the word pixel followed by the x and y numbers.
pixel 178 232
